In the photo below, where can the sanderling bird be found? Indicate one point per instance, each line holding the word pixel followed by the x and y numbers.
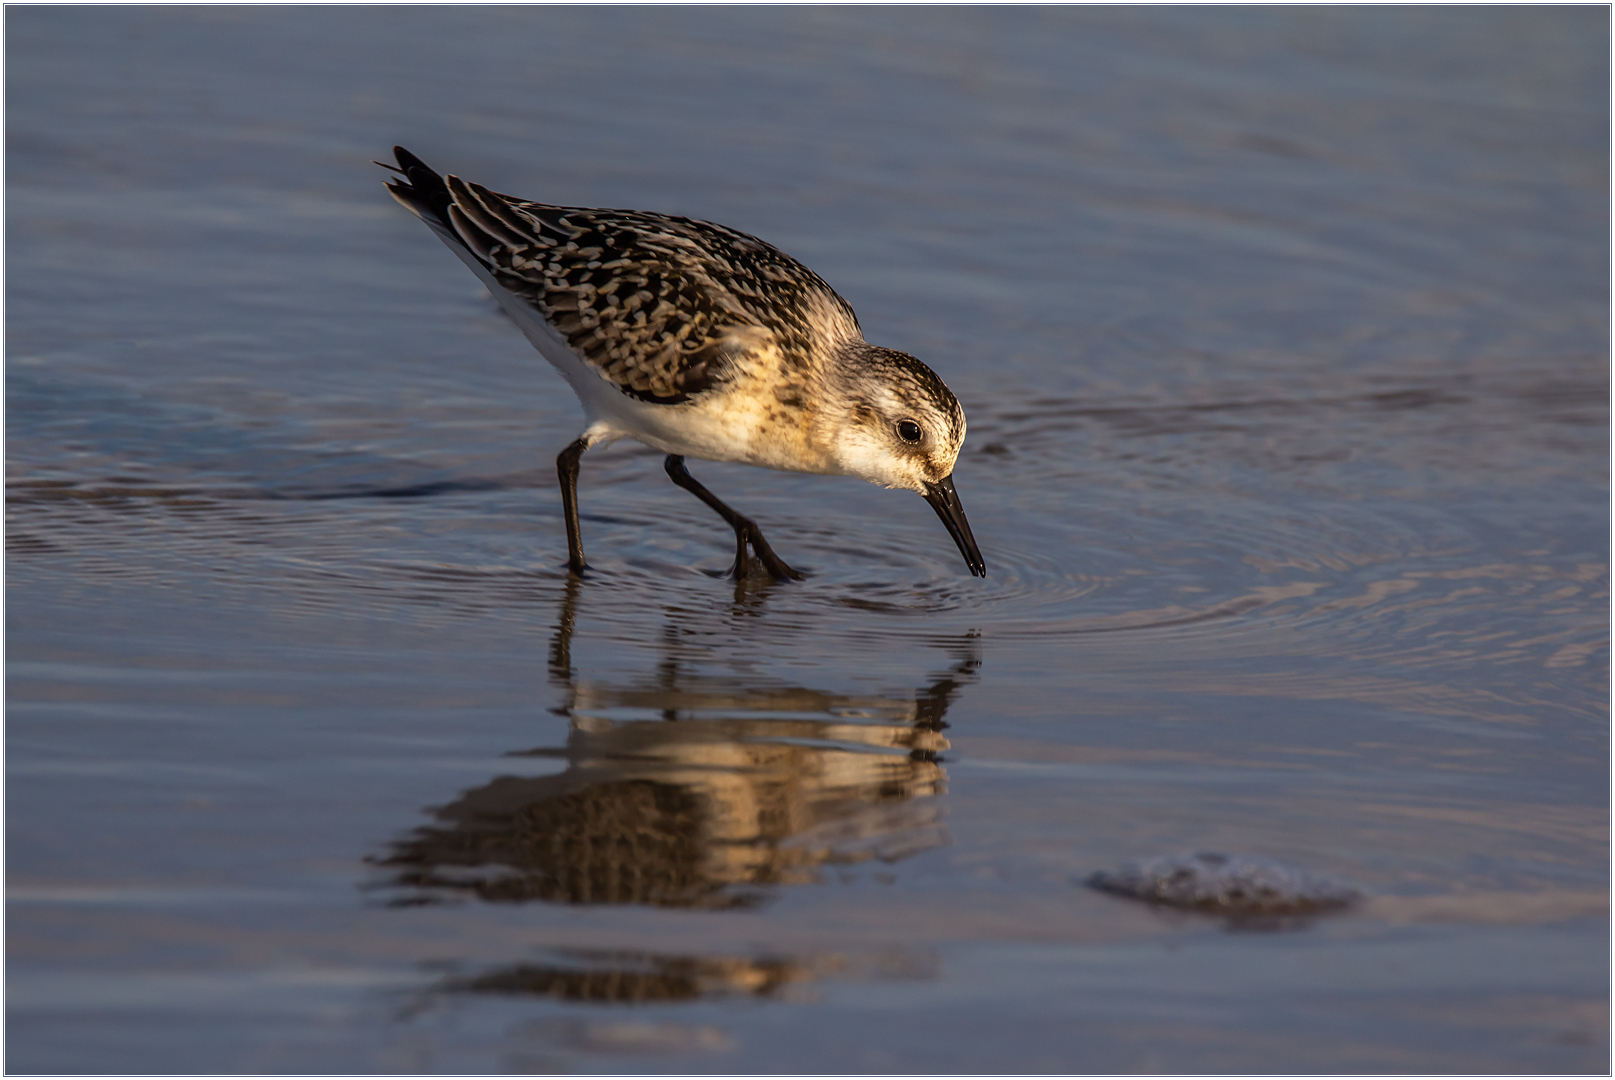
pixel 700 341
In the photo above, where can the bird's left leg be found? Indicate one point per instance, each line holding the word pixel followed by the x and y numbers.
pixel 746 530
pixel 567 466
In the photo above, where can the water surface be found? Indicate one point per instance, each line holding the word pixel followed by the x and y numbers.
pixel 1282 337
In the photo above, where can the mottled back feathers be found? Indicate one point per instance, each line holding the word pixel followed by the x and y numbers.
pixel 656 304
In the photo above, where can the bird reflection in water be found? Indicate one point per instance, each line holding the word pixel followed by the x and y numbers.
pixel 627 977
pixel 729 789
pixel 634 978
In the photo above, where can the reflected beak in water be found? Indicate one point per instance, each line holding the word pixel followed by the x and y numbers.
pixel 945 501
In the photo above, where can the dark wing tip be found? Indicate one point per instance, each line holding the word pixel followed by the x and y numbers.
pixel 425 188
pixel 407 160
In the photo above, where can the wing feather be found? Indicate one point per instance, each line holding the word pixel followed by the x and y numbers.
pixel 660 306
pixel 493 231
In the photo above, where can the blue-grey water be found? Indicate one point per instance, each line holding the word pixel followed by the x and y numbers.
pixel 1282 334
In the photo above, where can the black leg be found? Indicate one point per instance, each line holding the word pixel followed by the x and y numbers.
pixel 746 530
pixel 567 465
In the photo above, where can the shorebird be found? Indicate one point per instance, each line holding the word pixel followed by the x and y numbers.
pixel 699 341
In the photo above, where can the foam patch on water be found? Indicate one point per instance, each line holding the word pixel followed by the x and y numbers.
pixel 1237 885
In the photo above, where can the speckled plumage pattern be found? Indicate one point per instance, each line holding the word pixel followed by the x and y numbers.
pixel 644 298
pixel 700 340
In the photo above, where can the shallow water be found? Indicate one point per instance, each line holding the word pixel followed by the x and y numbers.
pixel 1282 337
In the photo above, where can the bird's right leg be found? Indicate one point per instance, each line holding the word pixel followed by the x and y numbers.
pixel 567 465
pixel 746 530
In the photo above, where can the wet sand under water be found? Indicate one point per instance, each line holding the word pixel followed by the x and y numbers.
pixel 1282 338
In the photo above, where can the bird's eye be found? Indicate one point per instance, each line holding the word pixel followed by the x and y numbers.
pixel 909 431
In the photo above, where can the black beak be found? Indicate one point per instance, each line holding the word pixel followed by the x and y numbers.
pixel 945 501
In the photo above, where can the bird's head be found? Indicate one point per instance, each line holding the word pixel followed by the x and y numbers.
pixel 899 426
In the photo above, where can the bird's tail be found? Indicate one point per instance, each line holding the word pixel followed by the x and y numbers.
pixel 422 192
